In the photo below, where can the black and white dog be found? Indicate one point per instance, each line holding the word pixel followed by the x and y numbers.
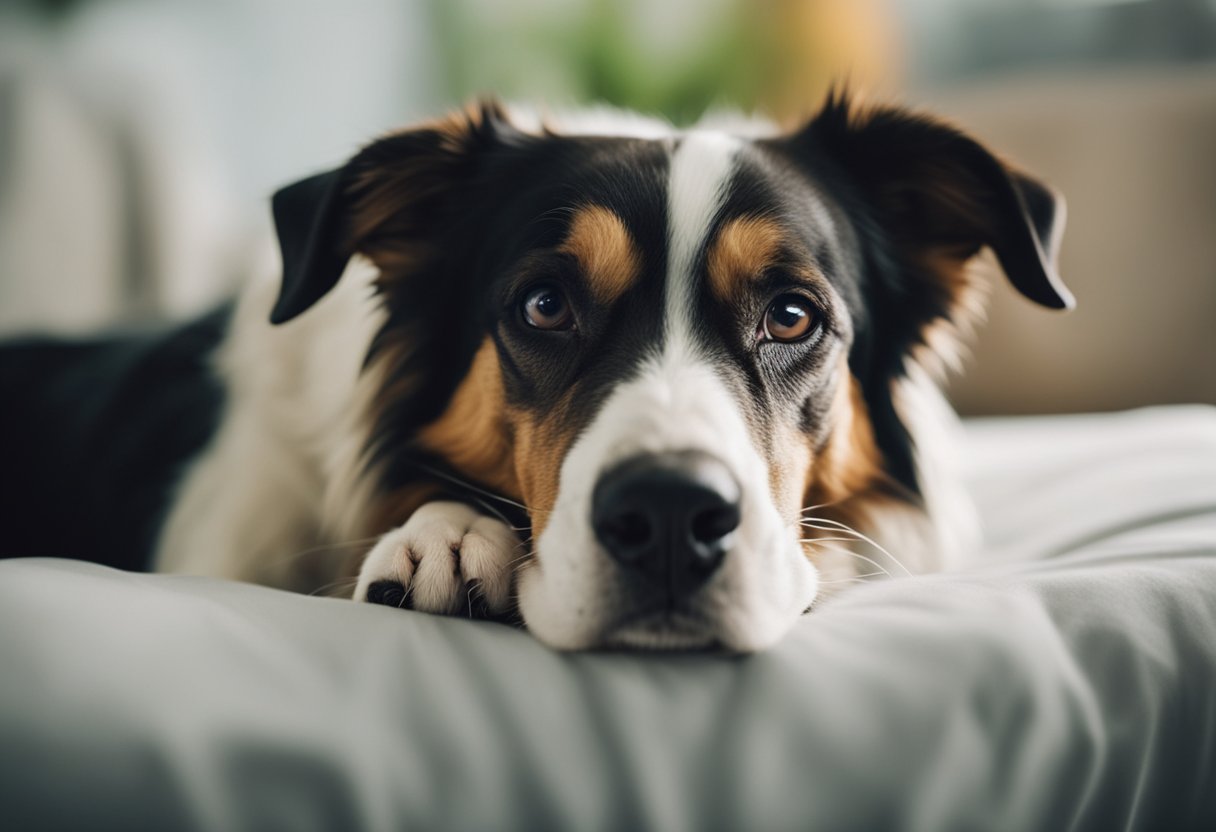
pixel 632 383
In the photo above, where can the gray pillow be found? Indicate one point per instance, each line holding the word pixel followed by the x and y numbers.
pixel 1064 679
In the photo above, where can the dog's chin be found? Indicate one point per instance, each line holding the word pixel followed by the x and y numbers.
pixel 657 630
pixel 742 617
pixel 668 630
pixel 665 630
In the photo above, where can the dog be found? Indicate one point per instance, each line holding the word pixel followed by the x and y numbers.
pixel 635 386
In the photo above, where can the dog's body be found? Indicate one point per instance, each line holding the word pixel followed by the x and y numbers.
pixel 656 351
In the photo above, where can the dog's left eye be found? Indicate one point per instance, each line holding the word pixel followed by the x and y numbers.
pixel 788 318
pixel 546 307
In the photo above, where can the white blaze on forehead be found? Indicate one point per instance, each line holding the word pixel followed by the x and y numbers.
pixel 572 594
pixel 701 168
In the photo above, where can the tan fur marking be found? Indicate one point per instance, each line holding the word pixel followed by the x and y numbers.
pixel 744 248
pixel 845 476
pixel 789 467
pixel 513 453
pixel 540 448
pixel 473 435
pixel 606 252
pixel 847 469
pixel 850 463
pixel 849 485
pixel 964 283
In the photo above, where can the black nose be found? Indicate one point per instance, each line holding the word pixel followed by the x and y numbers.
pixel 667 516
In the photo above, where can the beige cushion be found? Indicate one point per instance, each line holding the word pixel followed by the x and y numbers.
pixel 1135 155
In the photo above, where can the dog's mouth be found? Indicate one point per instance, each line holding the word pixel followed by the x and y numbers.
pixel 666 531
pixel 662 630
pixel 667 550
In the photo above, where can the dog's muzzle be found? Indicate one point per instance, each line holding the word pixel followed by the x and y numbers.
pixel 667 518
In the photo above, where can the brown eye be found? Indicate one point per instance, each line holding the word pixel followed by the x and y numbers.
pixel 546 307
pixel 789 318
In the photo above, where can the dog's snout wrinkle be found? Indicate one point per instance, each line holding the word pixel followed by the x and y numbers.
pixel 668 517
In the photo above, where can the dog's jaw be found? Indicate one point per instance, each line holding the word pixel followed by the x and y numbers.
pixel 572 595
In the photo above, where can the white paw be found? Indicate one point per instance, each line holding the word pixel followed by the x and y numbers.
pixel 448 558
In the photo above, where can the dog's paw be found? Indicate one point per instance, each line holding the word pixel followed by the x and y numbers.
pixel 447 559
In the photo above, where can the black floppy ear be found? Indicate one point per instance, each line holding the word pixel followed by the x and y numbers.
pixel 1045 211
pixel 310 219
pixel 388 202
pixel 937 192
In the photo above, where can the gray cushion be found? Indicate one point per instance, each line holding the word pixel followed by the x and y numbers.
pixel 1066 677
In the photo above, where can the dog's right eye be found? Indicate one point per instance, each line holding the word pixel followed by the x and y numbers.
pixel 789 318
pixel 546 307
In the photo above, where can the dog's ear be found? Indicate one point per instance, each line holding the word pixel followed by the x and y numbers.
pixel 385 202
pixel 309 218
pixel 941 196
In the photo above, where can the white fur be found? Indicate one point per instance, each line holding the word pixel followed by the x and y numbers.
pixel 255 501
pixel 569 595
pixel 953 525
pixel 284 474
pixel 437 553
pixel 601 120
pixel 905 539
pixel 701 168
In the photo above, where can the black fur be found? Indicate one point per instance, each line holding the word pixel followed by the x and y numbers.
pixel 903 185
pixel 94 435
pixel 489 210
pixel 488 230
pixel 533 182
pixel 308 216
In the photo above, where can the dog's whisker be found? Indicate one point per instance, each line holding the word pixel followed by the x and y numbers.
pixel 554 214
pixel 828 521
pixel 847 529
pixel 837 539
pixel 520 564
pixel 802 518
pixel 492 510
pixel 814 524
pixel 525 555
pixel 822 505
pixel 520 559
pixel 843 551
pixel 845 540
pixel 312 550
pixel 409 590
pixel 475 488
pixel 862 577
pixel 830 530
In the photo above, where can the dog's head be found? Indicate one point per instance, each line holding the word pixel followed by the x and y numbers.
pixel 663 346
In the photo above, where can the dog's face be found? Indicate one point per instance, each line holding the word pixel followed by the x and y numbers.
pixel 664 348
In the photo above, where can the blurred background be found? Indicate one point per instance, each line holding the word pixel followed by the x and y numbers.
pixel 141 139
